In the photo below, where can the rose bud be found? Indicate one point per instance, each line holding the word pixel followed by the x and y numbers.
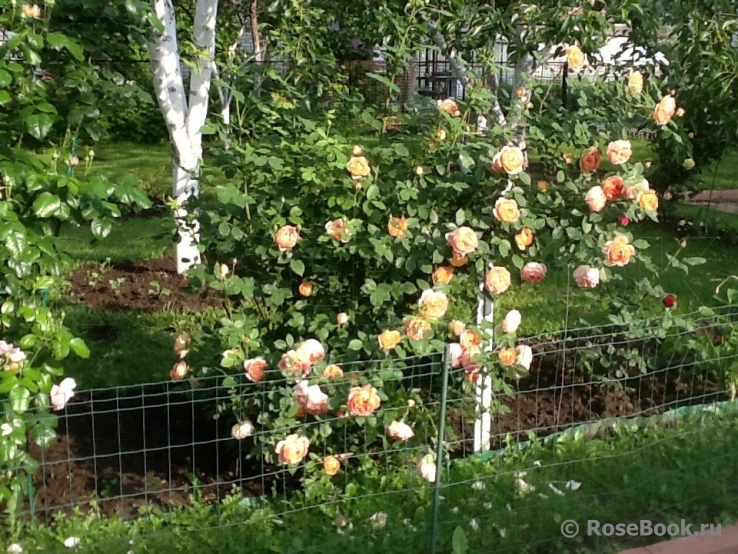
pixel 624 220
pixel 669 300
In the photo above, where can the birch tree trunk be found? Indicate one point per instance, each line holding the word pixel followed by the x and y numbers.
pixel 184 118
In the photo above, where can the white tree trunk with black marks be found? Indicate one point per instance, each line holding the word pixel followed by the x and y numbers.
pixel 184 116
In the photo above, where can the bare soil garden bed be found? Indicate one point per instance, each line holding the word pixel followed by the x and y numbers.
pixel 150 449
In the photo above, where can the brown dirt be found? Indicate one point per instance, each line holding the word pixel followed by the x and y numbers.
pixel 136 291
pixel 128 452
pixel 544 405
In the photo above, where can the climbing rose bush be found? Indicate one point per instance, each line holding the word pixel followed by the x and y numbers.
pixel 356 257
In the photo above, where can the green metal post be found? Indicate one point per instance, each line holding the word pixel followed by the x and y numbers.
pixel 439 449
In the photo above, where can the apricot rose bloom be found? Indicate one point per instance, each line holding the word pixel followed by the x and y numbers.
pixel 443 275
pixel 305 288
pixel 512 160
pixel 469 339
pixel 596 199
pixel 507 356
pixel 533 272
pixel 179 371
pixel 543 186
pixel 338 230
pixel 417 327
pixel 331 465
pixel 590 160
pixel 524 238
pixel 506 210
pixel 457 327
pixel 294 365
pixel 619 152
pixel 463 240
pixel 664 110
pixel 397 227
pixel 497 280
pixel 363 401
pixel 613 187
pixel 254 369
pixel 293 449
pixel 587 277
pixel 459 260
pixel 635 83
pixel 358 167
pixel 286 238
pixel 33 11
pixel 389 339
pixel 619 251
pixel 342 318
pixel 497 163
pixel 433 304
pixel 575 57
pixel 450 107
pixel 333 372
pixel 400 431
pixel 648 200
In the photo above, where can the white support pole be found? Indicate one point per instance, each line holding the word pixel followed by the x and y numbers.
pixel 483 391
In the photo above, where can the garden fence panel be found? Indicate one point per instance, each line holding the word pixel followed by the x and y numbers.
pixel 166 445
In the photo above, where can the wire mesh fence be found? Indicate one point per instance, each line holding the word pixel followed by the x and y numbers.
pixel 172 445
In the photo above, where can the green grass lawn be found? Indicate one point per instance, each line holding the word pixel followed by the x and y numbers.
pixel 721 175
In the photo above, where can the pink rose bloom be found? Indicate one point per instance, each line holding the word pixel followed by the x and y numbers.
pixel 312 350
pixel 400 431
pixel 512 321
pixel 619 152
pixel 533 272
pixel 524 356
pixel 427 468
pixel 456 351
pixel 587 277
pixel 62 393
pixel 596 199
pixel 286 237
pixel 310 398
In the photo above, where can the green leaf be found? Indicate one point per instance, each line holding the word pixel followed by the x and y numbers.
pixel 46 205
pixel 459 543
pixel 38 125
pixel 694 261
pixel 20 399
pixel 16 242
pixel 5 78
pixel 101 227
pixel 355 344
pixel 79 347
pixel 574 233
pixel 297 266
pixel 372 192
pixel 401 150
pixel 58 41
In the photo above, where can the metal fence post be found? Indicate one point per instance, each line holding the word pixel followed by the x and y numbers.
pixel 439 448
